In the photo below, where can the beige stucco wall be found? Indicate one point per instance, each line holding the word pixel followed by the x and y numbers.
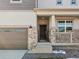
pixel 52 21
pixel 27 17
pixel 76 23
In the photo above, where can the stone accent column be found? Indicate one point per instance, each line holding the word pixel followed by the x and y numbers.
pixel 32 37
pixel 52 29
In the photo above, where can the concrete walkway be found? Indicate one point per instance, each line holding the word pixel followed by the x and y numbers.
pixel 42 48
pixel 12 54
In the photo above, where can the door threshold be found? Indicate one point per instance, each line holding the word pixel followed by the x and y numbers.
pixel 43 42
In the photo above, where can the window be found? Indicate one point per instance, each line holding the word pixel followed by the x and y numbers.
pixel 61 26
pixel 59 2
pixel 16 1
pixel 73 1
pixel 64 25
pixel 12 30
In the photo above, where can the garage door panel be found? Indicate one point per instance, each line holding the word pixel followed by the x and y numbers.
pixel 13 39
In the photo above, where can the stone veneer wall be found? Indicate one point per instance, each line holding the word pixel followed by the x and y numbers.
pixel 75 36
pixel 59 37
pixel 32 37
pixel 63 37
pixel 52 35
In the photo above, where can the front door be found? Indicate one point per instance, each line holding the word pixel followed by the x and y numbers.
pixel 43 29
pixel 43 33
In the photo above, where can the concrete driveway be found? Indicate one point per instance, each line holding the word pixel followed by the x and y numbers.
pixel 12 54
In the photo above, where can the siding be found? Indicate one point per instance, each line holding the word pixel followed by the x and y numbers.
pixel 18 18
pixel 53 4
pixel 25 5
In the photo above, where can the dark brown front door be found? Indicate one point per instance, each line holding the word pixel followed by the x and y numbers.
pixel 43 33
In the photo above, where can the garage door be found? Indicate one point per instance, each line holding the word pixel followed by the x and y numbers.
pixel 13 38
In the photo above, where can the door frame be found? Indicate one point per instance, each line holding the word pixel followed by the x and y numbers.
pixel 38 28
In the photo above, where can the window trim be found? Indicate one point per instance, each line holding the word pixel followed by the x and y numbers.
pixel 65 24
pixel 73 1
pixel 11 1
pixel 59 1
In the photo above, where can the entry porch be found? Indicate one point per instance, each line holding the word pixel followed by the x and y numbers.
pixel 62 24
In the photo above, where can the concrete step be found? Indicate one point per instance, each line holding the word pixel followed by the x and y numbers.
pixel 42 48
pixel 44 44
